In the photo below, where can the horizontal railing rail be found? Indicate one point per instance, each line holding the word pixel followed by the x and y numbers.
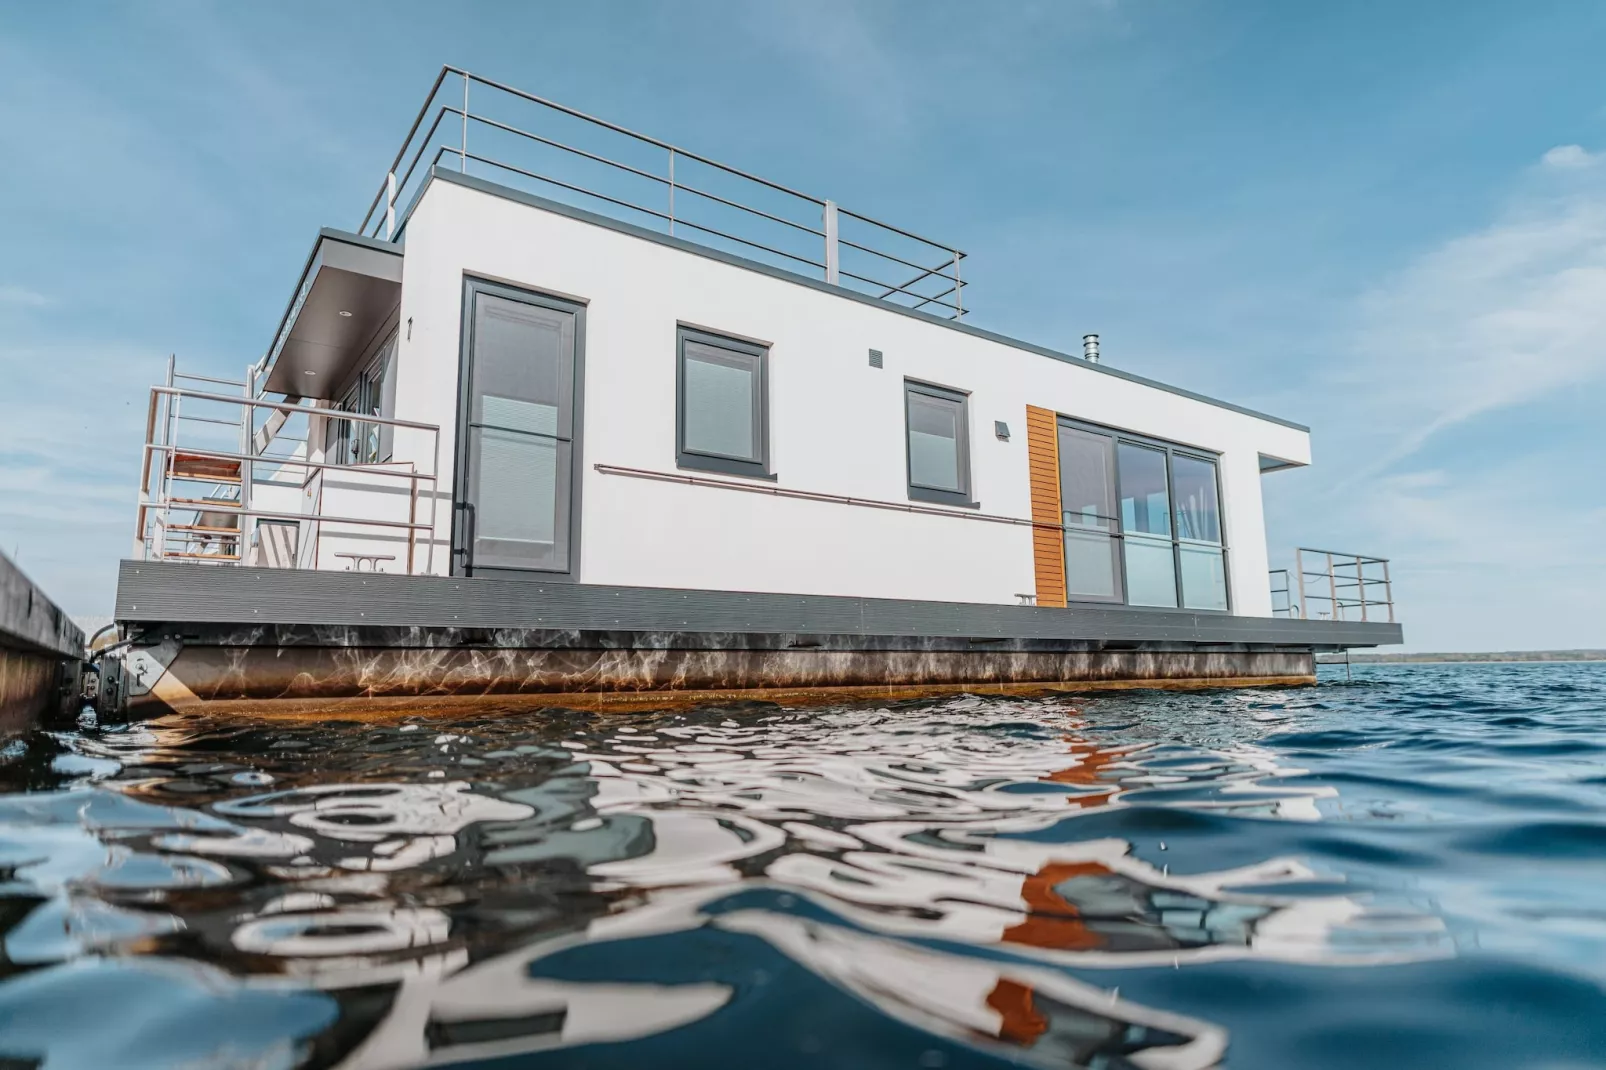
pixel 1283 602
pixel 768 220
pixel 1327 584
pixel 196 499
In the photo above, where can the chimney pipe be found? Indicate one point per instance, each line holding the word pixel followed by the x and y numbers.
pixel 1090 348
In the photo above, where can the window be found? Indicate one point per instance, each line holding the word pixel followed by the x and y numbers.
pixel 1151 574
pixel 372 394
pixel 1200 558
pixel 1087 499
pixel 1142 521
pixel 938 444
pixel 722 418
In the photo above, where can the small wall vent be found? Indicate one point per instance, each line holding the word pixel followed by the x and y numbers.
pixel 875 358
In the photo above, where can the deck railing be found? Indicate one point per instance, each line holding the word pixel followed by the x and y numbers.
pixel 196 499
pixel 514 137
pixel 1327 585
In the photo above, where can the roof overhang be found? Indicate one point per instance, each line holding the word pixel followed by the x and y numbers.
pixel 1278 464
pixel 348 293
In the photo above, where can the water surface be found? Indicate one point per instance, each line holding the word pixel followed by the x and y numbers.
pixel 1409 870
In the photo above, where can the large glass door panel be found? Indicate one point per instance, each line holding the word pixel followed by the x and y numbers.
pixel 1087 504
pixel 515 498
pixel 1151 567
pixel 1199 551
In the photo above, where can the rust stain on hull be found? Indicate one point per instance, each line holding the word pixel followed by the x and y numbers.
pixel 387 707
pixel 359 681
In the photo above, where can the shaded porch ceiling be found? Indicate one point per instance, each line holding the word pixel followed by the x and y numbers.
pixel 348 294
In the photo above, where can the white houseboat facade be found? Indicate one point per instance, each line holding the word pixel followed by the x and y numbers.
pixel 554 425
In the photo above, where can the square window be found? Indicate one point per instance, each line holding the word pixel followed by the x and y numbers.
pixel 722 419
pixel 938 441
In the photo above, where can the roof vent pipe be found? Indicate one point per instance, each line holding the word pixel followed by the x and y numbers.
pixel 1090 348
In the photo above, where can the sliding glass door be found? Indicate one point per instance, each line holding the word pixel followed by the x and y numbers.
pixel 1151 567
pixel 1201 561
pixel 515 505
pixel 1087 499
pixel 1142 521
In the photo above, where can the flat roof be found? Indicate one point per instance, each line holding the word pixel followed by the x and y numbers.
pixel 457 178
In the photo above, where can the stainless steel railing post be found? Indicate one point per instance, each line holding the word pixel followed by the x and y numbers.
pixel 248 419
pixel 1388 591
pixel 390 205
pixel 1299 566
pixel 833 273
pixel 462 155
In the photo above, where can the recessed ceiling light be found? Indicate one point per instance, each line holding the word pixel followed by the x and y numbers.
pixel 343 312
pixel 309 372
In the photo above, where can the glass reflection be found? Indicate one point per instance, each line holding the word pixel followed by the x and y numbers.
pixel 1151 577
pixel 935 430
pixel 1092 570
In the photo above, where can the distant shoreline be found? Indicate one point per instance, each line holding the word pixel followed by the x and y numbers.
pixel 1491 657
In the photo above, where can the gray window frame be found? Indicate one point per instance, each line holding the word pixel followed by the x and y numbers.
pixel 460 554
pixel 346 434
pixel 1171 450
pixel 940 495
pixel 701 460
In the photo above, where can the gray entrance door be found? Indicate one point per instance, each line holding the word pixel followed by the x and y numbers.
pixel 518 430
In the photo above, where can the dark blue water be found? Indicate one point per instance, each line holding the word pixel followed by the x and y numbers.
pixel 1406 871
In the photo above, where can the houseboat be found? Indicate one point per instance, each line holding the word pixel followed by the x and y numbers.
pixel 576 417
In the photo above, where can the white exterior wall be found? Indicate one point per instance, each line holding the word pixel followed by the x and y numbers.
pixel 836 424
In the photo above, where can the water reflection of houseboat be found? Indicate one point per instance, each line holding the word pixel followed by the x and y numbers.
pixel 679 878
pixel 551 427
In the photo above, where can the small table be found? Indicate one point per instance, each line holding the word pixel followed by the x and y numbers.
pixel 372 559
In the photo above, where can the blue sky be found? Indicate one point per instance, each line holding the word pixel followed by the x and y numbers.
pixel 1384 220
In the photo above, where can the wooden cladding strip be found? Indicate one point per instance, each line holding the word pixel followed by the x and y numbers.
pixel 1048 542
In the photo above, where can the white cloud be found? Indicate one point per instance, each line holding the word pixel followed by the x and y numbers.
pixel 1503 316
pixel 1494 547
pixel 21 295
pixel 1570 156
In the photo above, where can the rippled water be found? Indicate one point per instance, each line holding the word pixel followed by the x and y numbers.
pixel 1405 871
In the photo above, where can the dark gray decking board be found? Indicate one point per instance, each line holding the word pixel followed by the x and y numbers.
pixel 173 592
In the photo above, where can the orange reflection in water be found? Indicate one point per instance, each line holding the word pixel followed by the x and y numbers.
pixel 1020 1022
pixel 1053 922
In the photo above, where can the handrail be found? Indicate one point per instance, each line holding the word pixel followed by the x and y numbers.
pixel 292 462
pixel 1341 572
pixel 229 472
pixel 1290 607
pixel 944 273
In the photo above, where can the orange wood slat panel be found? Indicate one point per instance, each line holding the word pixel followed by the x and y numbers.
pixel 1048 544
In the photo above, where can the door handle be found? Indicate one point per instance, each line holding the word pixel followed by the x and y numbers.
pixel 469 530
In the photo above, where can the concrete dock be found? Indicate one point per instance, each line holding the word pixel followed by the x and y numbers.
pixel 41 653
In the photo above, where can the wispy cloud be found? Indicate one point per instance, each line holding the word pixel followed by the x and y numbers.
pixel 24 297
pixel 1510 315
pixel 1501 317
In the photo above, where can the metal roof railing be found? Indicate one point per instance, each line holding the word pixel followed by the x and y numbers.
pixel 518 138
pixel 1327 585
